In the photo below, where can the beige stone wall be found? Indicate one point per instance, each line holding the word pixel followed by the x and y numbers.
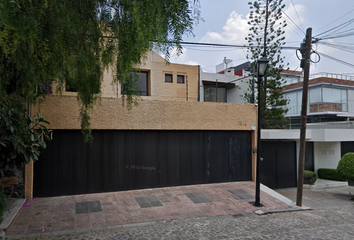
pixel 63 113
pixel 158 88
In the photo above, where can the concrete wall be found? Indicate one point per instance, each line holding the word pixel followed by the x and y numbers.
pixel 326 154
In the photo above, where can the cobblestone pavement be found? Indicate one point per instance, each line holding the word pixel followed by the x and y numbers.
pixel 332 217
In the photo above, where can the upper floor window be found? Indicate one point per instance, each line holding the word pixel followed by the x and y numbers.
pixel 215 94
pixel 70 86
pixel 168 78
pixel 141 84
pixel 180 79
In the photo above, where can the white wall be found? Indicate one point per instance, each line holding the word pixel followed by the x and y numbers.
pixel 350 101
pixel 326 154
pixel 236 94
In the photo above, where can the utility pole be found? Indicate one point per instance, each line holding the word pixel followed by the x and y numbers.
pixel 305 64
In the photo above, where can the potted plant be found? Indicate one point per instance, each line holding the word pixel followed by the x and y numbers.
pixel 345 168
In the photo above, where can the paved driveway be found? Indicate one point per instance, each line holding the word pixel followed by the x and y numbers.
pixel 332 217
pixel 338 197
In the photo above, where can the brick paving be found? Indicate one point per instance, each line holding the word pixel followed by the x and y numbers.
pixel 80 213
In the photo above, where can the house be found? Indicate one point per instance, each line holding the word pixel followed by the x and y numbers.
pixel 330 126
pixel 226 85
pixel 331 98
pixel 330 129
pixel 169 139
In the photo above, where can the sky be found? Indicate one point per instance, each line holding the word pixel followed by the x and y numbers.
pixel 225 22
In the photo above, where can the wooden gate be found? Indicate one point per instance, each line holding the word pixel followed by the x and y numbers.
pixel 135 159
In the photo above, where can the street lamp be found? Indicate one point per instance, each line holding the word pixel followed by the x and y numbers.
pixel 261 69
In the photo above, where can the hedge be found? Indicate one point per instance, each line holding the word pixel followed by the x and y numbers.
pixel 345 166
pixel 330 174
pixel 310 177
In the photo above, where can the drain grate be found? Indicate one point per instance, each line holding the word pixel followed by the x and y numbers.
pixel 241 194
pixel 149 201
pixel 88 207
pixel 198 197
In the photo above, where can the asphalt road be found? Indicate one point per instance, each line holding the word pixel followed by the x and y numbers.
pixel 331 217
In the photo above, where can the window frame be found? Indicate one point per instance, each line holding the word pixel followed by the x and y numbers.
pixel 183 77
pixel 170 75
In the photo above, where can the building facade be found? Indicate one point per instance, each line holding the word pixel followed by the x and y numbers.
pixel 168 139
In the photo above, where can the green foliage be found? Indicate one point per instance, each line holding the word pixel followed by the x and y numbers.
pixel 21 137
pixel 266 37
pixel 329 174
pixel 310 177
pixel 3 203
pixel 345 166
pixel 75 41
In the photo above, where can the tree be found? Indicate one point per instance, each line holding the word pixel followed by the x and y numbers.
pixel 75 41
pixel 266 37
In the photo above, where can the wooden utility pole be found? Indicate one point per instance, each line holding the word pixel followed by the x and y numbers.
pixel 305 64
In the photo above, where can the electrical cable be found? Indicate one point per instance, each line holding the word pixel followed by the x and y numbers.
pixel 302 27
pixel 336 60
pixel 294 22
pixel 336 20
pixel 334 28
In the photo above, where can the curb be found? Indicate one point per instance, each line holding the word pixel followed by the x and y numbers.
pixel 10 213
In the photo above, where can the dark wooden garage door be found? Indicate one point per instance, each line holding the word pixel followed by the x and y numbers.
pixel 129 159
pixel 278 169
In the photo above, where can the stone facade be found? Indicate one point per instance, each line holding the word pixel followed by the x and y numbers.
pixel 13 181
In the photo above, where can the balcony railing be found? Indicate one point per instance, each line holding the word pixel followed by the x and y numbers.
pixel 332 75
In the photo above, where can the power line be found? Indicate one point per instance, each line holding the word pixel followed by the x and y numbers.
pixel 294 23
pixel 336 60
pixel 231 45
pixel 334 28
pixel 302 27
pixel 336 20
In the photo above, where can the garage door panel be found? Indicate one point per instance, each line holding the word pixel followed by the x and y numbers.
pixel 128 159
pixel 286 164
pixel 219 156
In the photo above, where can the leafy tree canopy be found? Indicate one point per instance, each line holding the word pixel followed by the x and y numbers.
pixel 56 41
pixel 266 37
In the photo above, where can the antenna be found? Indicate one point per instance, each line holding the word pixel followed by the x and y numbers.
pixel 227 61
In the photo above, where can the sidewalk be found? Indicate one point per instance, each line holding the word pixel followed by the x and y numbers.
pixel 89 212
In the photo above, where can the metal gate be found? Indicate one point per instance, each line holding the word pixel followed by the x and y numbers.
pixel 278 168
pixel 135 159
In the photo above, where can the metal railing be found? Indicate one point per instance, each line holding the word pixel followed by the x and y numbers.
pixel 326 125
pixel 332 75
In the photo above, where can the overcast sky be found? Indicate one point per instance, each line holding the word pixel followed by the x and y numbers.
pixel 225 21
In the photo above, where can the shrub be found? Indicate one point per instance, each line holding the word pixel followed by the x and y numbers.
pixel 330 174
pixel 345 166
pixel 310 177
pixel 3 203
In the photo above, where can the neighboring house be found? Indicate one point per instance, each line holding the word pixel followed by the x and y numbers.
pixel 330 128
pixel 331 98
pixel 227 85
pixel 169 139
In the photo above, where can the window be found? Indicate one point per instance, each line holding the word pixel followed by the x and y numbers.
pixel 180 79
pixel 333 95
pixel 315 95
pixel 214 94
pixel 168 78
pixel 294 103
pixel 70 86
pixel 140 84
